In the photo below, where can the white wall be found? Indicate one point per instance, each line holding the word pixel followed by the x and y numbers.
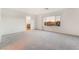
pixel 69 22
pixel 33 22
pixel 38 23
pixel 0 25
pixel 13 21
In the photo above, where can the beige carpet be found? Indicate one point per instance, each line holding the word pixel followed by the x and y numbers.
pixel 39 40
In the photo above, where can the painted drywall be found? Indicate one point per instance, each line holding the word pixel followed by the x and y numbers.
pixel 69 21
pixel 13 21
pixel 38 22
pixel 0 26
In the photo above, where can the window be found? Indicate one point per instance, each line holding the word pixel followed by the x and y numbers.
pixel 52 21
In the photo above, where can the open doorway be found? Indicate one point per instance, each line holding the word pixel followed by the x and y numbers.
pixel 29 23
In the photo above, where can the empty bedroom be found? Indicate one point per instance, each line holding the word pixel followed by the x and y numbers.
pixel 39 28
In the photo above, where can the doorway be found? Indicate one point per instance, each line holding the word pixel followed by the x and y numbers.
pixel 30 23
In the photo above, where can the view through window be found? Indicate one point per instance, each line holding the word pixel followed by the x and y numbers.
pixel 52 21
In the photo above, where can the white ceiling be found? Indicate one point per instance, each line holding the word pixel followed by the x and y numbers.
pixel 37 11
